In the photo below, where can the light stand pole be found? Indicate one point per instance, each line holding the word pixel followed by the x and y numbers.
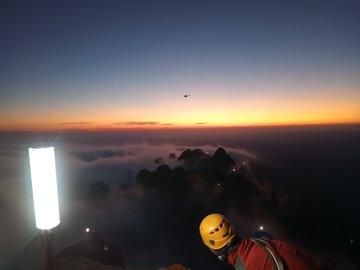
pixel 45 193
pixel 47 245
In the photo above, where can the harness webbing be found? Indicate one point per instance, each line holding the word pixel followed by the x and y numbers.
pixel 274 257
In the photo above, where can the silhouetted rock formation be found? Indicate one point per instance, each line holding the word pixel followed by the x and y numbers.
pixel 172 156
pixel 185 155
pixel 168 181
pixel 146 178
pixel 220 164
pixel 222 161
pixel 200 173
pixel 222 157
pixel 159 160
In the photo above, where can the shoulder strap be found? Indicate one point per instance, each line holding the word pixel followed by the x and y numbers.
pixel 274 257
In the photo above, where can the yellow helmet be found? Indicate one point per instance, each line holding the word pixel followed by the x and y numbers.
pixel 216 231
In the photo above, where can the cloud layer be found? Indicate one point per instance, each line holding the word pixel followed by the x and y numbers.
pixel 133 215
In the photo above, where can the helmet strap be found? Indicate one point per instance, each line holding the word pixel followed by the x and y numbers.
pixel 224 252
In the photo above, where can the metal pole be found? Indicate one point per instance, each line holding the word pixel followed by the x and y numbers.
pixel 47 245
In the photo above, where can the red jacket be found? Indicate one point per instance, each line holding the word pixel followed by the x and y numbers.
pixel 253 257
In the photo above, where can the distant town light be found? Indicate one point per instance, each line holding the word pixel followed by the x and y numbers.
pixel 44 186
pixel 261 228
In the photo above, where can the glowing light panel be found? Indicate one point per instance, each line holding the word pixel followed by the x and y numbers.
pixel 44 185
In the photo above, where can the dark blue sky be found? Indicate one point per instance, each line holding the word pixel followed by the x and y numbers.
pixel 79 55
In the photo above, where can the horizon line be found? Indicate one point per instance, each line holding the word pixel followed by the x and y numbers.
pixel 174 127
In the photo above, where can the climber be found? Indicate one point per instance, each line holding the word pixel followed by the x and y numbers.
pixel 257 253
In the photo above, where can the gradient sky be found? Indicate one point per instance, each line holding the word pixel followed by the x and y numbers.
pixel 113 64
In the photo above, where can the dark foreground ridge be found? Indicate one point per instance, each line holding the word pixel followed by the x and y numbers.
pixel 90 253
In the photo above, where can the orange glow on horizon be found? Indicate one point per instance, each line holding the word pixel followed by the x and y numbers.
pixel 195 113
pixel 108 127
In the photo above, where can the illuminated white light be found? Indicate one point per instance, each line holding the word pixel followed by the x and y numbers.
pixel 87 230
pixel 261 228
pixel 45 192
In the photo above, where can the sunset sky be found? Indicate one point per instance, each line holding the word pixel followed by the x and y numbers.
pixel 128 64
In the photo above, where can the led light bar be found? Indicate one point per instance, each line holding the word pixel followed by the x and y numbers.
pixel 45 191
